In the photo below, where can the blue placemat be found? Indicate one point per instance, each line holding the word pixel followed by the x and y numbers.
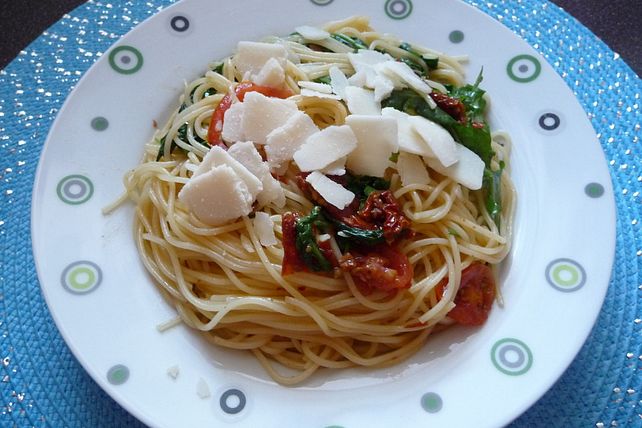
pixel 43 385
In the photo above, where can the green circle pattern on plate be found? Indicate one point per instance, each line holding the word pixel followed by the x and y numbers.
pixel 99 123
pixel 398 9
pixel 565 275
pixel 511 356
pixel 322 2
pixel 75 189
pixel 594 190
pixel 431 402
pixel 456 36
pixel 81 277
pixel 118 374
pixel 126 59
pixel 524 68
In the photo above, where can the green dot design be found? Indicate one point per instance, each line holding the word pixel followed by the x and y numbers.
pixel 398 9
pixel 565 275
pixel 511 356
pixel 99 123
pixel 322 2
pixel 431 402
pixel 456 36
pixel 126 59
pixel 524 68
pixel 81 277
pixel 594 190
pixel 118 374
pixel 75 189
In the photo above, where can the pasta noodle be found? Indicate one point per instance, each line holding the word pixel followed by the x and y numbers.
pixel 225 283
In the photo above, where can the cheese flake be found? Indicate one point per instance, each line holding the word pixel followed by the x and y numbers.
pixel 272 74
pixel 362 101
pixel 217 196
pixel 412 170
pixel 233 123
pixel 216 156
pixel 284 141
pixel 334 193
pixel 338 81
pixel 409 140
pixel 376 141
pixel 247 155
pixel 263 114
pixel 441 144
pixel 469 170
pixel 250 57
pixel 264 227
pixel 324 147
pixel 312 33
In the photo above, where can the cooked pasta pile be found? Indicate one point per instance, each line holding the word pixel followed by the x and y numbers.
pixel 224 282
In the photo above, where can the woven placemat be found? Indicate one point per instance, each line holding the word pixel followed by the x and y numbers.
pixel 42 384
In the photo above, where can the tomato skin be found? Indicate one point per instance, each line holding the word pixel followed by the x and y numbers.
pixel 475 297
pixel 382 267
pixel 292 262
pixel 216 123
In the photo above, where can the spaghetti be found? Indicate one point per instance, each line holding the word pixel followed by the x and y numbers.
pixel 224 282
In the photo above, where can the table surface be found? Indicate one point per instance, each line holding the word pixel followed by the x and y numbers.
pixel 617 25
pixel 616 118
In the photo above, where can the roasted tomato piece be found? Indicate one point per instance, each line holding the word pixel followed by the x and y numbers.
pixel 475 296
pixel 292 261
pixel 383 267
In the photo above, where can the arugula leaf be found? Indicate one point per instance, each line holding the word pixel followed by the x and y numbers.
pixel 419 63
pixel 474 134
pixel 353 42
pixel 475 138
pixel 363 236
pixel 358 184
pixel 306 240
pixel 218 68
pixel 323 79
pixel 182 135
pixel 491 187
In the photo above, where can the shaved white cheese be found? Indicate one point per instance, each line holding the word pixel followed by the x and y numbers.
pixel 315 86
pixel 264 227
pixel 364 59
pixel 441 143
pixel 383 87
pixel 233 123
pixel 402 75
pixel 202 389
pixel 173 372
pixel 312 33
pixel 305 92
pixel 272 74
pixel 469 171
pixel 250 158
pixel 337 167
pixel 284 141
pixel 412 170
pixel 217 157
pixel 338 81
pixel 252 56
pixel 325 147
pixel 362 101
pixel 334 193
pixel 217 196
pixel 376 141
pixel 263 114
pixel 359 79
pixel 409 140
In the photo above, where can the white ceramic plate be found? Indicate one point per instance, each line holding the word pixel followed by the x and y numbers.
pixel 107 308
